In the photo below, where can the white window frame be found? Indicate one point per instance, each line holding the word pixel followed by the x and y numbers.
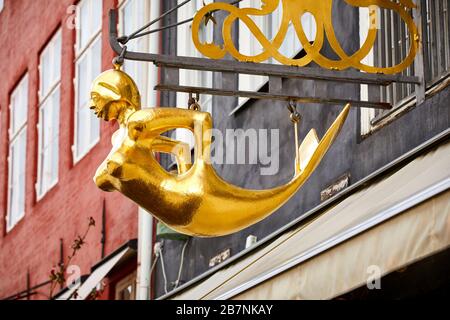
pixel 80 53
pixel 2 5
pixel 13 137
pixel 43 99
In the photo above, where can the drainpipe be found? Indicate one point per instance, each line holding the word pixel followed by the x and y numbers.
pixel 145 220
pixel 145 236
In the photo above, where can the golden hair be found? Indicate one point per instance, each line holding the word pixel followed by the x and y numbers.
pixel 121 85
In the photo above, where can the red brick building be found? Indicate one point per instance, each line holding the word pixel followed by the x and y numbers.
pixel 48 155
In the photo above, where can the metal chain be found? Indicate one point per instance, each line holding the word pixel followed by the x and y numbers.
pixel 193 102
pixel 295 116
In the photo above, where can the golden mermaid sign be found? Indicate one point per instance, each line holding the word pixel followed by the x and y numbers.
pixel 195 201
pixel 293 10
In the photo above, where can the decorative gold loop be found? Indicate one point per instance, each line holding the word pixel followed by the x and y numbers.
pixel 293 10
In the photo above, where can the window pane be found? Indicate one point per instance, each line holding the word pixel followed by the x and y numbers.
pixel 14 103
pixel 82 130
pixel 96 59
pixel 46 147
pixel 19 105
pixel 17 179
pixel 50 67
pixel 54 161
pixel 41 184
pixel 96 16
pixel 46 125
pixel 49 139
pixel 84 24
pixel 96 69
pixel 127 23
pixel 45 130
pixel 132 16
pixel 55 113
pixel 88 128
pixel 54 143
pixel 45 72
pixel 46 172
pixel 57 58
pixel 95 128
pixel 14 173
pixel 21 162
pixel 83 80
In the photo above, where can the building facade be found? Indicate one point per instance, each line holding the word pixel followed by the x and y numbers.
pixel 52 145
pixel 370 139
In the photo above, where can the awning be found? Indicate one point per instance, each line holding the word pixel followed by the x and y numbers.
pixel 390 224
pixel 101 270
pixel 69 291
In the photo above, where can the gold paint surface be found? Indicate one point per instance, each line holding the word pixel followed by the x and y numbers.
pixel 195 200
pixel 293 10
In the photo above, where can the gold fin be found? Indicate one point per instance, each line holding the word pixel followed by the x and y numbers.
pixel 307 148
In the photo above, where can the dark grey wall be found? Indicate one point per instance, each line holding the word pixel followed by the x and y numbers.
pixel 350 153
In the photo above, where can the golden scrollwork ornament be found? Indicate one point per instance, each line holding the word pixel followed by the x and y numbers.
pixel 194 200
pixel 292 12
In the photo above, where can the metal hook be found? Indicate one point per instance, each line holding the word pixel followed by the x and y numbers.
pixel 295 116
pixel 193 102
pixel 119 60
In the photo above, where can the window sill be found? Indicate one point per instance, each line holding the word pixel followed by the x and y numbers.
pixel 78 158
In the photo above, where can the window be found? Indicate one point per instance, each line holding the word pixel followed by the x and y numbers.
pixel 193 78
pixel 88 66
pixel 126 288
pixel 269 25
pixel 133 14
pixel 49 105
pixel 185 47
pixel 17 153
pixel 2 4
pixel 393 44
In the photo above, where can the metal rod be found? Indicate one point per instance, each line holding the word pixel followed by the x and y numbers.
pixel 136 33
pixel 272 96
pixel 28 290
pixel 166 27
pixel 263 69
pixel 297 146
pixel 172 25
